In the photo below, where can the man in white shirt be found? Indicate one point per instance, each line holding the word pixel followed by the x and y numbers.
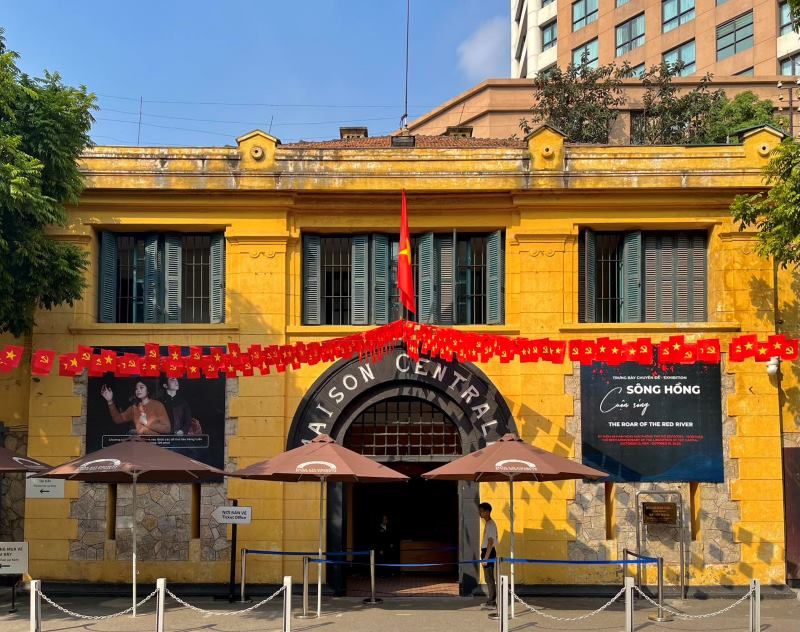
pixel 489 552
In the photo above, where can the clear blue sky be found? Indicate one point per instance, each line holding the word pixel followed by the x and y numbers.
pixel 217 69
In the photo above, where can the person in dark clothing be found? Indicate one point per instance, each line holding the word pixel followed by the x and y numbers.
pixel 180 414
pixel 386 548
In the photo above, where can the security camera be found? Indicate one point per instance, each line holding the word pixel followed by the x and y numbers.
pixel 773 365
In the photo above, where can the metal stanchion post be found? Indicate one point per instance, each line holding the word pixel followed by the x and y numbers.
pixel 502 604
pixel 36 606
pixel 755 605
pixel 244 569
pixel 372 600
pixel 629 584
pixel 161 594
pixel 287 604
pixel 305 614
pixel 660 615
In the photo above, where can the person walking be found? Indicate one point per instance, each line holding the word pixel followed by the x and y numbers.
pixel 489 552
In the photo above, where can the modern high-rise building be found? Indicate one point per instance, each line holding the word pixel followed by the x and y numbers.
pixel 722 37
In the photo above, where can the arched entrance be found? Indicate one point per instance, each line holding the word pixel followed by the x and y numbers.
pixel 414 415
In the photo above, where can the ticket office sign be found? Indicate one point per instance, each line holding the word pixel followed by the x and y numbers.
pixel 653 423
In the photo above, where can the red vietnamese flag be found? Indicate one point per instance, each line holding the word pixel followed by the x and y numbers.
pixel 42 361
pixel 405 273
pixel 558 351
pixel 11 356
pixel 109 360
pixel 762 352
pixel 68 365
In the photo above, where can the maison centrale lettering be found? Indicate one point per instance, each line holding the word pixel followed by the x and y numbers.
pixel 468 390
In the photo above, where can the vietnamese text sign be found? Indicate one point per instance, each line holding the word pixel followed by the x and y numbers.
pixel 13 558
pixel 660 513
pixel 653 423
pixel 233 515
pixel 44 488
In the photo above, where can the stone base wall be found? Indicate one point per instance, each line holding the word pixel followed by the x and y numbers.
pixel 12 492
pixel 718 513
pixel 163 512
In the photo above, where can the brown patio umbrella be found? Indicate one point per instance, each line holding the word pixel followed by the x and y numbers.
pixel 12 462
pixel 130 461
pixel 323 460
pixel 511 459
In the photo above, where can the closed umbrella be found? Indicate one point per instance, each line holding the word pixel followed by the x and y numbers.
pixel 511 459
pixel 323 460
pixel 130 461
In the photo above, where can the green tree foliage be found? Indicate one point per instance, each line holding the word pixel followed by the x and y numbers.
pixel 775 213
pixel 44 127
pixel 671 116
pixel 743 111
pixel 580 101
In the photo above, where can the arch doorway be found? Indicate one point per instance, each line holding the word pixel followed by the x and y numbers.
pixel 413 415
pixel 414 523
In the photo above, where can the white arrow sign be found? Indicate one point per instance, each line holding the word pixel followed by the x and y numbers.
pixel 44 488
pixel 233 515
pixel 13 558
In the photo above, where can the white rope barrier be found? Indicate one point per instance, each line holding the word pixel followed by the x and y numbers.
pixel 544 614
pixel 224 613
pixel 90 617
pixel 683 615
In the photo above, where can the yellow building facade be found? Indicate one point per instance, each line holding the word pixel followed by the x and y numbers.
pixel 541 194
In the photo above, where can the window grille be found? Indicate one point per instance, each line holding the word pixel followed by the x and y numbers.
pixel 471 280
pixel 403 428
pixel 130 280
pixel 195 285
pixel 336 263
pixel 609 262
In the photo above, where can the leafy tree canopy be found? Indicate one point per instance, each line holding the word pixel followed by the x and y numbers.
pixel 580 101
pixel 775 213
pixel 583 102
pixel 44 127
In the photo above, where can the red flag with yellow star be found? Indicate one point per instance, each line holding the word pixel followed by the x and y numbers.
pixel 405 273
pixel 12 355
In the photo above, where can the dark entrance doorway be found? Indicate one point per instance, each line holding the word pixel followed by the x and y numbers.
pixel 422 517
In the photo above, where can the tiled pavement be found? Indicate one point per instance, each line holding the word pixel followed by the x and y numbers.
pixel 404 585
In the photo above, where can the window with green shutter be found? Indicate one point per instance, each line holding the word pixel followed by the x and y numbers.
pixel 459 278
pixel 642 276
pixel 161 278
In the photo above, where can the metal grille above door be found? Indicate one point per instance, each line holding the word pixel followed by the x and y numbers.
pixel 404 429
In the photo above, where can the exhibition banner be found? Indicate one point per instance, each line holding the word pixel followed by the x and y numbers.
pixel 653 423
pixel 182 414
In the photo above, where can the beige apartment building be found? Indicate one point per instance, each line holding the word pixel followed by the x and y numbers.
pixel 494 108
pixel 722 37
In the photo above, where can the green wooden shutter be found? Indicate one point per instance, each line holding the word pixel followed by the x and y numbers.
pixel 312 280
pixel 173 294
pixel 681 278
pixel 107 306
pixel 216 307
pixel 697 294
pixel 426 304
pixel 587 276
pixel 151 284
pixel 380 279
pixel 666 271
pixel 359 280
pixel 445 252
pixel 632 277
pixel 650 246
pixel 495 279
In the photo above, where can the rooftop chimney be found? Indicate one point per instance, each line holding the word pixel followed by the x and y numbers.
pixel 353 132
pixel 458 131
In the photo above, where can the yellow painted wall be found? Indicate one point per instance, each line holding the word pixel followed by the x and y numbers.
pixel 540 193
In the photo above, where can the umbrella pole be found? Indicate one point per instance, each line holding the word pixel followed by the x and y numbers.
pixel 319 566
pixel 511 494
pixel 133 529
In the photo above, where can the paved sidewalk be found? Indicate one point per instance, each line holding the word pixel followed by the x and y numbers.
pixel 420 614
